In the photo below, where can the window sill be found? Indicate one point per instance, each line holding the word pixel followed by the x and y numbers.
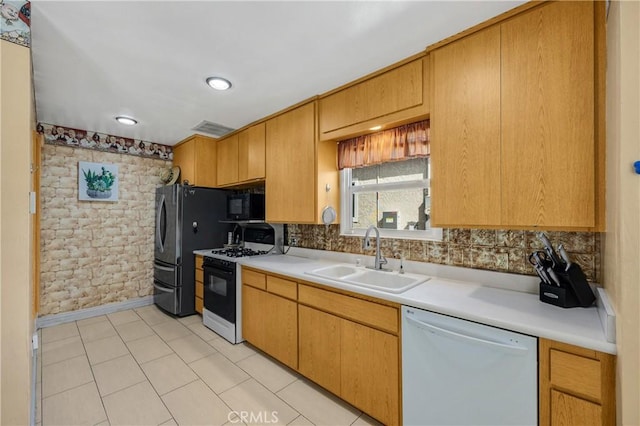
pixel 398 234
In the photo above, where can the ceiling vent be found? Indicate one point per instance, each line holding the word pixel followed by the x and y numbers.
pixel 213 129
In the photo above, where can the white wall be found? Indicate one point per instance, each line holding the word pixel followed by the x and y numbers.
pixel 621 242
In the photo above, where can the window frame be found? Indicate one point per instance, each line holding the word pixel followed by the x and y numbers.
pixel 348 194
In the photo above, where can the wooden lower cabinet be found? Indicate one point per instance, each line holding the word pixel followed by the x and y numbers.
pixel 199 285
pixel 569 410
pixel 319 347
pixel 346 343
pixel 281 329
pixel 253 327
pixel 357 362
pixel 370 371
pixel 270 323
pixel 577 385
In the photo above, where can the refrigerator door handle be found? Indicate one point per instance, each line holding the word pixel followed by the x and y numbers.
pixel 161 288
pixel 163 268
pixel 160 229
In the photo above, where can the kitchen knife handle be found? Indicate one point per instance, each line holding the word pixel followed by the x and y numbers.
pixel 553 276
pixel 549 248
pixel 565 257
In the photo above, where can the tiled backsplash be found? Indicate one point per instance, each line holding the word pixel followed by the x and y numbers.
pixel 497 250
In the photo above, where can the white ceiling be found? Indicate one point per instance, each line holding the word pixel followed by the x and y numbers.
pixel 93 60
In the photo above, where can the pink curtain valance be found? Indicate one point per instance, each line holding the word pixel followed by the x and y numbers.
pixel 400 143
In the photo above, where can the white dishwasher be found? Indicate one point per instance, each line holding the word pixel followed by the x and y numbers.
pixel 457 372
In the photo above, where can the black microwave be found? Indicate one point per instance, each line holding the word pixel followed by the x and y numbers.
pixel 245 206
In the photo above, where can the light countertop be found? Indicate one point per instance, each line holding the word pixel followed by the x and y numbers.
pixel 512 310
pixel 460 292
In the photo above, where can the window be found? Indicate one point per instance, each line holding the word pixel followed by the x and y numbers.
pixel 392 196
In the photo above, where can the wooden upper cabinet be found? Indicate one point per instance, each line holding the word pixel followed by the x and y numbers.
pixel 465 131
pixel 298 168
pixel 548 145
pixel 228 160
pixel 392 96
pixel 517 122
pixel 251 153
pixel 196 157
pixel 241 156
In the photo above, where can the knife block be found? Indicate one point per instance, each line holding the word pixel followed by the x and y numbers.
pixel 574 289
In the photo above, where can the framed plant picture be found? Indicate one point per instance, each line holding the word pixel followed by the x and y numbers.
pixel 97 181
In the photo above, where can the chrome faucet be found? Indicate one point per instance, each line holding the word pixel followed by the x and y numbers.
pixel 380 259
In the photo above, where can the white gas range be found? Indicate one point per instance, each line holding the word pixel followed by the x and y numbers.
pixel 222 311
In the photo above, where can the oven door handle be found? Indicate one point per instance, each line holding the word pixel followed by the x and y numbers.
pixel 217 272
pixel 161 288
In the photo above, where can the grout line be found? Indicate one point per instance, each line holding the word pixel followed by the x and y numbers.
pixel 297 377
pixel 104 409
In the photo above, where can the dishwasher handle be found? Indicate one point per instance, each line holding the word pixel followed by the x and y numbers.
pixel 516 349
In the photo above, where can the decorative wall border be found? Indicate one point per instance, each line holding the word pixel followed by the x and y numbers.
pixel 15 22
pixel 79 138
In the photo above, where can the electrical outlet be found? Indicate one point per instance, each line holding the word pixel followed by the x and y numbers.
pixel 293 241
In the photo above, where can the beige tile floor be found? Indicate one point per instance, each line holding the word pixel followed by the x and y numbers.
pixel 143 367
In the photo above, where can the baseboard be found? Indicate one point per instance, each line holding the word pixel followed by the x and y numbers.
pixel 56 319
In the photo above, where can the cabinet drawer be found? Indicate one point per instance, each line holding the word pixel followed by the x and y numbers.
pixel 282 287
pixel 200 275
pixel 569 410
pixel 363 311
pixel 199 305
pixel 254 279
pixel 199 260
pixel 199 289
pixel 576 373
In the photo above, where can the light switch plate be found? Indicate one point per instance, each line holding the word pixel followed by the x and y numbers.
pixel 32 202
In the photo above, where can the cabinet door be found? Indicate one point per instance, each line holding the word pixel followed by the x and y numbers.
pixel 465 130
pixel 183 157
pixel 228 160
pixel 196 157
pixel 251 143
pixel 370 371
pixel 205 160
pixel 398 94
pixel 567 410
pixel 253 325
pixel 548 147
pixel 290 166
pixel 280 318
pixel 319 357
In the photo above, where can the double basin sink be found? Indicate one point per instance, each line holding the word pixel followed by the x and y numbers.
pixel 387 281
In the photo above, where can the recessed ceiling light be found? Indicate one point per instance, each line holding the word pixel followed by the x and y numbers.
pixel 376 128
pixel 219 83
pixel 126 120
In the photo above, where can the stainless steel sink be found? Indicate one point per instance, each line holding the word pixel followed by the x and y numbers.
pixel 390 282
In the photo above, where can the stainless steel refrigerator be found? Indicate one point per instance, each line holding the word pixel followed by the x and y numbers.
pixel 187 219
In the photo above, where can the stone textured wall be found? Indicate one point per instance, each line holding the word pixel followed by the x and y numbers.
pixel 497 250
pixel 93 253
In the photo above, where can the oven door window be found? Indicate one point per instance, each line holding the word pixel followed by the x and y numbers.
pixel 220 293
pixel 217 285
